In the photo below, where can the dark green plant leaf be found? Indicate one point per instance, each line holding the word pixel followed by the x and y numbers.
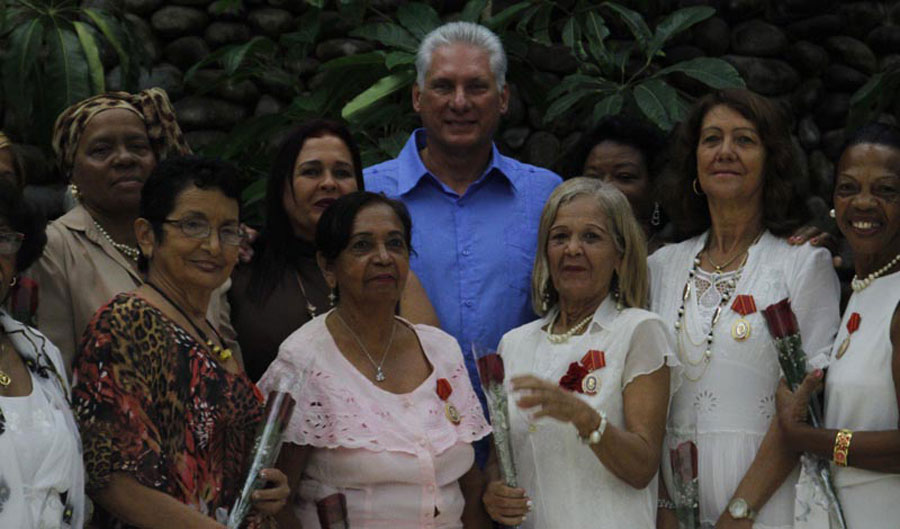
pixel 384 87
pixel 563 103
pixel 635 23
pixel 710 71
pixel 675 23
pixel 18 68
pixel 397 58
pixel 393 144
pixel 92 54
pixel 418 18
pixel 525 19
pixel 596 32
pixel 879 93
pixel 472 11
pixel 353 61
pixel 652 97
pixel 608 106
pixel 298 43
pixel 388 34
pixel 319 4
pixel 542 25
pixel 576 81
pixel 254 193
pixel 67 70
pixel 498 22
pixel 237 54
pixel 109 28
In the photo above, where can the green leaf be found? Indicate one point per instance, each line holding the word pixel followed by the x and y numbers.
pixel 869 91
pixel 576 81
pixel 255 192
pixel 108 28
pixel 676 23
pixel 522 24
pixel 542 25
pixel 608 106
pixel 472 11
pixel 652 97
pixel 396 58
pixel 596 31
pixel 237 54
pixel 92 54
pixel 352 61
pixel 67 71
pixel 635 23
pixel 710 71
pixel 18 66
pixel 382 88
pixel 393 144
pixel 561 104
pixel 418 18
pixel 498 22
pixel 389 34
pixel 319 4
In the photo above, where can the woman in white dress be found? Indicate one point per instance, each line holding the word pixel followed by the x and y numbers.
pixel 41 473
pixel 861 433
pixel 591 379
pixel 736 186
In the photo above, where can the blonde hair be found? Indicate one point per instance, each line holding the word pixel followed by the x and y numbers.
pixel 630 278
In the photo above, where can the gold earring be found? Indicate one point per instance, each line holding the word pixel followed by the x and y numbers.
pixel 831 213
pixel 694 185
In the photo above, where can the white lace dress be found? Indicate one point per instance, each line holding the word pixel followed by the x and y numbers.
pixel 569 486
pixel 727 405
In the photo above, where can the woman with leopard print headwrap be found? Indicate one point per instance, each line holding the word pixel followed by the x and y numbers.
pixel 106 146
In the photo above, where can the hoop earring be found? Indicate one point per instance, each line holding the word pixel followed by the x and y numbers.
pixel 831 213
pixel 696 190
pixel 656 216
pixel 15 280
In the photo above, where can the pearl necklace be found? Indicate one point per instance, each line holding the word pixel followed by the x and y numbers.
pixel 564 337
pixel 860 284
pixel 731 285
pixel 128 251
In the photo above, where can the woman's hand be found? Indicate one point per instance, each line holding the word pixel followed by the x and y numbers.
pixel 792 406
pixel 272 499
pixel 556 402
pixel 506 505
pixel 816 237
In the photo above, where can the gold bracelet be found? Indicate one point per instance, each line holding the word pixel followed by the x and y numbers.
pixel 842 446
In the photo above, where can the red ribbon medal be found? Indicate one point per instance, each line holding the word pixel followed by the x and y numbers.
pixel 592 361
pixel 852 325
pixel 744 305
pixel 444 390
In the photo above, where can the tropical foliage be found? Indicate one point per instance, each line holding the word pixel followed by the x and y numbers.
pixel 879 95
pixel 53 59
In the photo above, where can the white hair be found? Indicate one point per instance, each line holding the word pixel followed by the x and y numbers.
pixel 462 33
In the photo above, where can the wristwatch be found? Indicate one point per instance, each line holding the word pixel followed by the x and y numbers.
pixel 739 509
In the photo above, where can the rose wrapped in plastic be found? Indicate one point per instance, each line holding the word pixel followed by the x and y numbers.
pixel 491 374
pixel 782 324
pixel 686 490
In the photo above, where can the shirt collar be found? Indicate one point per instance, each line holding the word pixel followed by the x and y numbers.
pixel 412 169
pixel 605 314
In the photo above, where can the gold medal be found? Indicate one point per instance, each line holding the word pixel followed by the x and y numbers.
pixel 740 329
pixel 589 384
pixel 452 413
pixel 4 379
pixel 532 427
pixel 843 347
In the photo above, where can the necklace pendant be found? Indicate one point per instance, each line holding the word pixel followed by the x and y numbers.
pixel 311 309
pixel 4 379
pixel 379 375
pixel 843 347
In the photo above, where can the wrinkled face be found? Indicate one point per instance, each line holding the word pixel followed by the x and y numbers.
pixel 323 172
pixel 8 166
pixel 196 263
pixel 112 162
pixel 730 157
pixel 461 104
pixel 867 200
pixel 375 263
pixel 624 167
pixel 581 252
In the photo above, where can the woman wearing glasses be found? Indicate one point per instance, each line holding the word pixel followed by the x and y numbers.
pixel 41 475
pixel 167 415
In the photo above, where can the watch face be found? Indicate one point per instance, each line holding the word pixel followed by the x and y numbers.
pixel 738 509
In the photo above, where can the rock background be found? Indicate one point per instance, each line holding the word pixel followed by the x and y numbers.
pixel 811 55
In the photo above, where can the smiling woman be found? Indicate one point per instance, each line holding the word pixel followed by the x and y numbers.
pixel 153 350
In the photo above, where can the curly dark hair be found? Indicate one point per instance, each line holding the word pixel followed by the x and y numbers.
pixel 19 216
pixel 624 130
pixel 784 209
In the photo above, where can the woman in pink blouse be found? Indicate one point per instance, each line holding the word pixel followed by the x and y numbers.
pixel 385 411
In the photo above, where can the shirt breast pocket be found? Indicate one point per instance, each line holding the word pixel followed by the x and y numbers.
pixel 519 250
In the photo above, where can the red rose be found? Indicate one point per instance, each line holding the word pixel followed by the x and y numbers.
pixel 444 389
pixel 781 319
pixel 684 461
pixel 573 377
pixel 490 369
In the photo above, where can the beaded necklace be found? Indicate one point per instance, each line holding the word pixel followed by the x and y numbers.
pixel 860 284
pixel 223 353
pixel 128 251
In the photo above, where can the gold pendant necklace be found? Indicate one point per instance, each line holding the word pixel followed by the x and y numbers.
pixel 5 379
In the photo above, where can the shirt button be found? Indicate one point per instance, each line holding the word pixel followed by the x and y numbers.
pixel 466 252
pixel 468 303
pixel 430 488
pixel 422 442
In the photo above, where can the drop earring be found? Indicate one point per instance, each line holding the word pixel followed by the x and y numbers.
pixel 332 297
pixel 656 216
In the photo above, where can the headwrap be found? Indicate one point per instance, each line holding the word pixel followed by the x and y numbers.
pixel 151 105
pixel 5 142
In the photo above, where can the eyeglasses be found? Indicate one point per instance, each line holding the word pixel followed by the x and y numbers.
pixel 10 242
pixel 200 229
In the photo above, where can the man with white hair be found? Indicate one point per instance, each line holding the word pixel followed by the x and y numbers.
pixel 475 212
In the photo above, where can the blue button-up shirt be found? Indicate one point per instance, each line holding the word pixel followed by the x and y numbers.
pixel 475 252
